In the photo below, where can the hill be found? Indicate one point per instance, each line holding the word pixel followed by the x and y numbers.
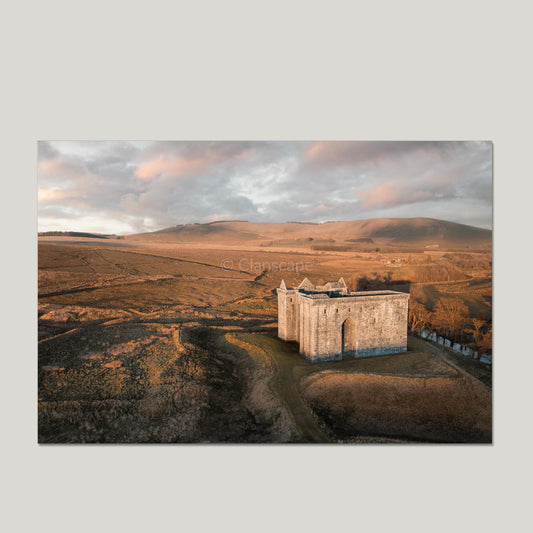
pixel 421 232
pixel 73 234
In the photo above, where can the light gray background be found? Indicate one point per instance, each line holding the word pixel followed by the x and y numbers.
pixel 266 70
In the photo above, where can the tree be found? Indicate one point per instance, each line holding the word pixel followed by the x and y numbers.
pixel 451 314
pixel 478 324
pixel 418 316
pixel 482 336
pixel 486 342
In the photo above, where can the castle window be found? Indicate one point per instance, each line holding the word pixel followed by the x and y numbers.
pixel 324 311
pixel 337 310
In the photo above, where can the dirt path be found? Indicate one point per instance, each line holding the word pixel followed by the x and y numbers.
pixel 284 384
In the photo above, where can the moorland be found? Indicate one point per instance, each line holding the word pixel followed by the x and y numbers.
pixel 170 336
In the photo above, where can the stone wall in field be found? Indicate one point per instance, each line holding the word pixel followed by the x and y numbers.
pixel 431 335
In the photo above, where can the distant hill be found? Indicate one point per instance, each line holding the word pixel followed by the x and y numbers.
pixel 409 232
pixel 73 234
pixel 214 232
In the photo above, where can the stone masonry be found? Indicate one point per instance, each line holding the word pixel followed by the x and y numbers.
pixel 329 321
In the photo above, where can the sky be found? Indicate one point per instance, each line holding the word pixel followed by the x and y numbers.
pixel 126 187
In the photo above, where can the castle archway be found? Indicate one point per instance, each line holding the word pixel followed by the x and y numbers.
pixel 349 341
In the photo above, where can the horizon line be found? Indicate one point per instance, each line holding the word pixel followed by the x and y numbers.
pixel 251 222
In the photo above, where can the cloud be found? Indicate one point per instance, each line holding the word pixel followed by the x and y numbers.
pixel 46 151
pixel 144 185
pixel 349 153
pixel 46 196
pixel 173 166
pixel 391 194
pixel 179 159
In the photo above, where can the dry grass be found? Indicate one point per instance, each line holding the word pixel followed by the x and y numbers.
pixel 127 389
pixel 259 396
pixel 477 296
pixel 172 380
pixel 152 382
pixel 428 409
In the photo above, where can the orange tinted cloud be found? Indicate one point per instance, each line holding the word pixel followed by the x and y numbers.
pixel 346 153
pixel 315 150
pixel 49 168
pixel 333 153
pixel 52 195
pixel 171 166
pixel 181 165
pixel 390 194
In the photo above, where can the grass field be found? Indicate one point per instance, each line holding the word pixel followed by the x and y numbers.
pixel 425 409
pixel 476 294
pixel 159 342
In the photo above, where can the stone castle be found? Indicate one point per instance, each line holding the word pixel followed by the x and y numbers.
pixel 329 321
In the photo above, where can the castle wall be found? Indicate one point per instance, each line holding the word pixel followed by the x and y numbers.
pixel 308 332
pixel 380 325
pixel 314 317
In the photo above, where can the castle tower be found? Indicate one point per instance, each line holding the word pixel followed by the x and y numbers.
pixel 288 313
